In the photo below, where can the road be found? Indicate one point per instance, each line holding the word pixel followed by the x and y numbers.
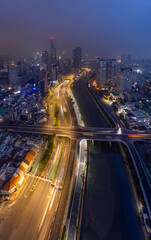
pixel 59 95
pixel 34 210
pixel 66 115
pixel 142 177
pixel 23 220
pixel 77 194
pixel 56 231
pixel 32 215
pixel 52 164
pixel 63 164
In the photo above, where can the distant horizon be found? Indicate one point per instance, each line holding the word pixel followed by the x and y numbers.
pixel 103 28
pixel 64 54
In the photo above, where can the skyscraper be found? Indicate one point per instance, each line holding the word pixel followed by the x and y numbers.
pixel 1 63
pixel 45 57
pixel 106 72
pixel 125 60
pixel 53 59
pixel 77 57
pixel 126 80
pixel 111 72
pixel 20 68
pixel 101 72
pixel 13 78
pixel 43 82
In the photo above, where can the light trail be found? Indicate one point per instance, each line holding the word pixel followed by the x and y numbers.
pixel 44 215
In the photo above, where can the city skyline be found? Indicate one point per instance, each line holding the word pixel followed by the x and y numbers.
pixel 75 120
pixel 102 28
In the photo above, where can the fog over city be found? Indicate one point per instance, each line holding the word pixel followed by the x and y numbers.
pixel 100 27
pixel 75 119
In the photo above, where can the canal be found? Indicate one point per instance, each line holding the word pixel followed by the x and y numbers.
pixel 90 113
pixel 109 211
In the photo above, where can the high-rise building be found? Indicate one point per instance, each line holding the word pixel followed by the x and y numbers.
pixel 64 65
pixel 123 59
pixel 20 68
pixel 45 57
pixel 129 58
pixel 1 63
pixel 111 72
pixel 101 72
pixel 106 72
pixel 77 57
pixel 38 57
pixel 4 77
pixel 126 80
pixel 43 82
pixel 53 58
pixel 126 60
pixel 34 74
pixel 13 78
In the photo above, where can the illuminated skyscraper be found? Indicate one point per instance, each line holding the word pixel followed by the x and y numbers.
pixel 106 72
pixel 126 80
pixel 53 59
pixel 45 57
pixel 111 72
pixel 43 82
pixel 77 57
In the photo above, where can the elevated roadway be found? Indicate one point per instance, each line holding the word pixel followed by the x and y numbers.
pixel 33 198
pixel 76 132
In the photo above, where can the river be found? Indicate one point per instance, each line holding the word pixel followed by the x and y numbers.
pixel 109 211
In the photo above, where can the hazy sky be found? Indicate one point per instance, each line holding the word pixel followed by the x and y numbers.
pixel 101 27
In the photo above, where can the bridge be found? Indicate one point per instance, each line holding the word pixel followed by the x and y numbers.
pixel 126 137
pixel 77 133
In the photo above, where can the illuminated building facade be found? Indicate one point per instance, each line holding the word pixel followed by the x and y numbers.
pixel 106 72
pixel 45 57
pixel 77 57
pixel 53 60
pixel 126 80
pixel 43 82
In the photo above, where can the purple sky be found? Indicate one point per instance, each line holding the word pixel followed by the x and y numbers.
pixel 101 27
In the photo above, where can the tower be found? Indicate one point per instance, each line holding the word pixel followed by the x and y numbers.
pixel 53 60
pixel 43 82
pixel 45 57
pixel 77 57
pixel 106 72
pixel 126 80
